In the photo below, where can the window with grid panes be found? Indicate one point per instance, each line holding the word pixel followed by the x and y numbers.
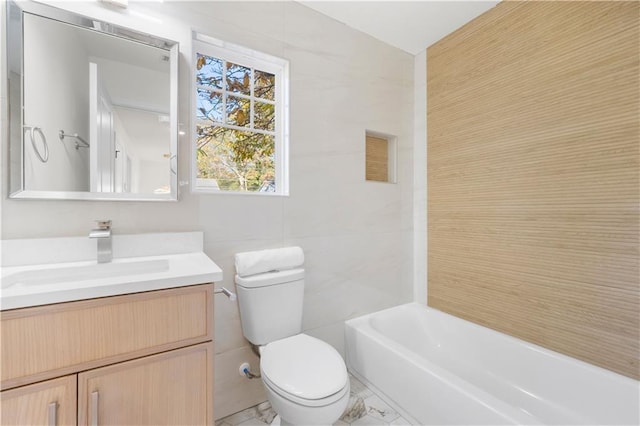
pixel 240 119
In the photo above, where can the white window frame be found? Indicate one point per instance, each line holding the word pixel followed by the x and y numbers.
pixel 240 55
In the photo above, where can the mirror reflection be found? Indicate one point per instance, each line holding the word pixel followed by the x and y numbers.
pixel 98 113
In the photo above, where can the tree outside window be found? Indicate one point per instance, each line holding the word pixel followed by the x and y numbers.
pixel 236 125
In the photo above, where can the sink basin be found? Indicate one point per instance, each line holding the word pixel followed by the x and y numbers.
pixel 64 274
pixel 42 284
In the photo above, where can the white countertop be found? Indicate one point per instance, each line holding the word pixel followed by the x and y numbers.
pixel 25 285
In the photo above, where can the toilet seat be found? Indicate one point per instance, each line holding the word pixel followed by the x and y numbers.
pixel 304 370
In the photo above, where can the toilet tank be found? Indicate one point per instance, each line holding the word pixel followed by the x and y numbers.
pixel 271 305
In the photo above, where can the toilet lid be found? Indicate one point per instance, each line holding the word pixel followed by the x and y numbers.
pixel 304 366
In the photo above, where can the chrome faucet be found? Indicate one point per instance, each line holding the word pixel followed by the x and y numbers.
pixel 103 234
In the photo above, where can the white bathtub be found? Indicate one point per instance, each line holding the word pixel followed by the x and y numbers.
pixel 440 369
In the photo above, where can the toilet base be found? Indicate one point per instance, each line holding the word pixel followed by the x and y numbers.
pixel 298 415
pixel 277 421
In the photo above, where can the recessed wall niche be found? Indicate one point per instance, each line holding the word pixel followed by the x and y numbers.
pixel 380 157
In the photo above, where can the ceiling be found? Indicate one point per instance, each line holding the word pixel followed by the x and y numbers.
pixel 408 25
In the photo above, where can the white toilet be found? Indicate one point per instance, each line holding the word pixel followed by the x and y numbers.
pixel 305 378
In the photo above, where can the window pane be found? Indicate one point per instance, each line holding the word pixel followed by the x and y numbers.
pixel 264 85
pixel 234 160
pixel 238 79
pixel 265 116
pixel 238 110
pixel 209 106
pixel 209 71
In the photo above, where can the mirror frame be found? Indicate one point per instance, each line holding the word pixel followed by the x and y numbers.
pixel 14 25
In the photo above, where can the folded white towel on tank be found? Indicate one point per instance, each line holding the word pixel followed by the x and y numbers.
pixel 257 262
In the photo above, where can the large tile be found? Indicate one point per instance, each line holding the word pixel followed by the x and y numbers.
pixel 266 413
pixel 233 392
pixel 355 409
pixel 253 422
pixel 358 388
pixel 342 202
pixel 327 38
pixel 228 326
pixel 369 420
pixel 241 416
pixel 379 409
pixel 352 275
pixel 241 217
pixel 333 334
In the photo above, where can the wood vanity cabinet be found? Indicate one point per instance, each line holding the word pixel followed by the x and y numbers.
pixel 46 403
pixel 143 358
pixel 168 388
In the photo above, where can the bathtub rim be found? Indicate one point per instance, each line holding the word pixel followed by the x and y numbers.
pixel 457 383
pixel 532 346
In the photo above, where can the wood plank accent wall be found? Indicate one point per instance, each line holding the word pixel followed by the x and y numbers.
pixel 533 176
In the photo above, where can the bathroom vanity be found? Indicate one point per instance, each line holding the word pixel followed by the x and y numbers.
pixel 142 358
pixel 134 353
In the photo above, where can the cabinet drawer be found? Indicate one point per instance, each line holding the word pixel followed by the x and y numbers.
pixel 47 403
pixel 49 341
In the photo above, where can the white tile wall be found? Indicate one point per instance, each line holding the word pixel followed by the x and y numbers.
pixel 357 235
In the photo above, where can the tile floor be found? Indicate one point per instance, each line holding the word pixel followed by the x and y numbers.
pixel 365 408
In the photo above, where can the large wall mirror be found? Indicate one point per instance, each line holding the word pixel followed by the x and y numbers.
pixel 92 108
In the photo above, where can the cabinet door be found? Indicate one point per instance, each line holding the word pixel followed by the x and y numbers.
pixel 171 388
pixel 47 403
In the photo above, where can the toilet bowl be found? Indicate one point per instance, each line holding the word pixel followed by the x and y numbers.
pixel 305 379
